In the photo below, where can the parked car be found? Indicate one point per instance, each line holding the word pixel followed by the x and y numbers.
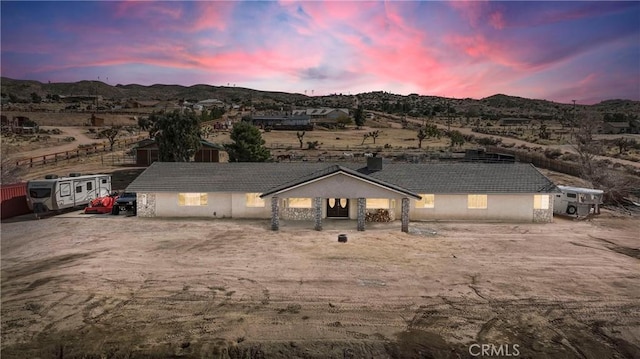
pixel 126 202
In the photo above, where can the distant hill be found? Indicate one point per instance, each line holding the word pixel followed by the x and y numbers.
pixel 499 103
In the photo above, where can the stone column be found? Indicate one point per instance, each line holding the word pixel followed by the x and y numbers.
pixel 317 206
pixel 275 214
pixel 362 207
pixel 405 214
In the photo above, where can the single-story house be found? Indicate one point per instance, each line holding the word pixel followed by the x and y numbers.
pixel 283 122
pixel 616 127
pixel 147 152
pixel 327 113
pixel 316 191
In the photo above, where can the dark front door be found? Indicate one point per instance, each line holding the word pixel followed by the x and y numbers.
pixel 338 208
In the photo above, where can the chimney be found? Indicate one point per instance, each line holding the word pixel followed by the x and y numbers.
pixel 374 163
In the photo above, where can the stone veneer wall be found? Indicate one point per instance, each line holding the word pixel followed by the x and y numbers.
pixel 147 209
pixel 297 214
pixel 543 215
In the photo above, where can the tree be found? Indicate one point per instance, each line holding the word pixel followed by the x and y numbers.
pixel 248 145
pixel 543 134
pixel 35 98
pixel 343 121
pixel 584 144
pixel 374 135
pixel 177 135
pixel 358 116
pixel 364 138
pixel 428 131
pixel 624 144
pixel 111 134
pixel 144 123
pixel 457 139
pixel 300 136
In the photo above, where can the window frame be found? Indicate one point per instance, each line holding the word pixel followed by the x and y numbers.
pixel 370 205
pixel 253 200
pixel 300 199
pixel 428 201
pixel 477 201
pixel 188 199
pixel 539 201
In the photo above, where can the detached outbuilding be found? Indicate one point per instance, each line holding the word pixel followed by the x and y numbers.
pixel 147 153
pixel 319 191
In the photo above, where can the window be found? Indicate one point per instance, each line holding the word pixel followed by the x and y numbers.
pixel 104 180
pixel 375 203
pixel 571 195
pixel 192 199
pixel 65 189
pixel 40 192
pixel 300 203
pixel 540 201
pixel 427 201
pixel 78 189
pixel 89 186
pixel 254 200
pixel 477 201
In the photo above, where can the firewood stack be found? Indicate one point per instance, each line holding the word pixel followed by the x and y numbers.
pixel 379 215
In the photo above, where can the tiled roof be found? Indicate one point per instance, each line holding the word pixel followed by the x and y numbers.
pixel 416 178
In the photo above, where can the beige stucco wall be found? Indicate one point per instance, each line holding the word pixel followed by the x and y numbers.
pixel 240 210
pixel 218 206
pixel 501 207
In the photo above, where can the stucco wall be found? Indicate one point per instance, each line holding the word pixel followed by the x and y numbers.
pixel 501 207
pixel 218 206
pixel 240 210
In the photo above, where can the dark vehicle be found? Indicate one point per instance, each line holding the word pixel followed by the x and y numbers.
pixel 126 202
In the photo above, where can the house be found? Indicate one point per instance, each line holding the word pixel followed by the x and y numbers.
pixel 147 153
pixel 322 113
pixel 283 122
pixel 512 121
pixel 615 127
pixel 320 191
pixel 19 125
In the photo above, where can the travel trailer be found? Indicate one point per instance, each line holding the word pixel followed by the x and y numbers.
pixel 577 201
pixel 53 193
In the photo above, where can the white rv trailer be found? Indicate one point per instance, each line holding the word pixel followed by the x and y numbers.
pixel 53 193
pixel 577 201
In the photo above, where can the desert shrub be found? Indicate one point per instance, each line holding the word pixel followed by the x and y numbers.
pixel 488 141
pixel 552 153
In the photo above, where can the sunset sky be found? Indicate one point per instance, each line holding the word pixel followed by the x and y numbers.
pixel 559 51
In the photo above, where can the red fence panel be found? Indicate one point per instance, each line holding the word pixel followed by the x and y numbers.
pixel 14 200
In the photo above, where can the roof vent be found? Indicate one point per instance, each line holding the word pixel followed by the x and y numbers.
pixel 50 176
pixel 75 174
pixel 374 163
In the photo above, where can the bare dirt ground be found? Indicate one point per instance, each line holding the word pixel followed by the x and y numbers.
pixel 113 286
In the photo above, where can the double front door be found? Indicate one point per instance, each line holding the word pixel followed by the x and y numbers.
pixel 337 208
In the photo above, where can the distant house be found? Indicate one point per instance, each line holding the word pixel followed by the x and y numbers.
pixel 147 153
pixel 616 127
pixel 318 113
pixel 283 122
pixel 313 191
pixel 141 104
pixel 210 103
pixel 19 125
pixel 96 121
pixel 513 121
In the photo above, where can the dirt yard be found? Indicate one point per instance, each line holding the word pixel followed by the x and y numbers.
pixel 101 286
